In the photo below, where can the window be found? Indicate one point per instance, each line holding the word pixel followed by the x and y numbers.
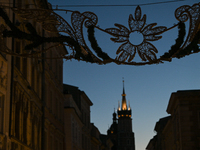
pixel 76 134
pixel 51 142
pixel 25 117
pixel 73 132
pixel 45 140
pixel 46 95
pixel 51 100
pixel 51 60
pixel 56 144
pixel 60 76
pixel 24 71
pixel 17 59
pixel 1 112
pixel 56 107
pixel 59 108
pixel 33 77
pixel 199 118
pixel 61 145
pixel 38 83
pixel 85 118
pixel 56 69
pixel 17 119
pixel 33 133
pixel 83 141
pixel 19 4
pixel 2 47
pixel 62 114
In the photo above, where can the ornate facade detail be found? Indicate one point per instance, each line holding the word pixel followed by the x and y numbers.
pixel 21 120
pixel 2 143
pixel 26 116
pixel 3 74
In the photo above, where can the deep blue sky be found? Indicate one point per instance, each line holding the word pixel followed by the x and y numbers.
pixel 148 88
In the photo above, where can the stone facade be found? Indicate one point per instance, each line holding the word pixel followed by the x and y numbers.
pixel 5 88
pixel 181 129
pixel 35 114
pixel 77 119
pixel 95 138
pixel 31 93
pixel 80 133
pixel 73 122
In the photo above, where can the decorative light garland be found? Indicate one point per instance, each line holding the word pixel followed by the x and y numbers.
pixel 76 40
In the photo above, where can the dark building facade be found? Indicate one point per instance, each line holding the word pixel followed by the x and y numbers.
pixel 120 132
pixel 180 130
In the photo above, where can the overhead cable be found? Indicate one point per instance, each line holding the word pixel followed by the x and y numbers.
pixel 116 5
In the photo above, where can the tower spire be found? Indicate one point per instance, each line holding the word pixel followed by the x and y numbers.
pixel 124 105
pixel 123 94
pixel 122 125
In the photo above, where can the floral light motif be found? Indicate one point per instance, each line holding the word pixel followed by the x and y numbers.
pixel 79 49
pixel 137 26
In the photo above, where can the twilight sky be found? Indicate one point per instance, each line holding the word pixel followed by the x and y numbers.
pixel 148 88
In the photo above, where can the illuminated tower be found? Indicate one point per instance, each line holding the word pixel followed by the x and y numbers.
pixel 126 140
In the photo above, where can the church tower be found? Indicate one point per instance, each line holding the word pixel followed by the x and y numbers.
pixel 126 140
pixel 120 132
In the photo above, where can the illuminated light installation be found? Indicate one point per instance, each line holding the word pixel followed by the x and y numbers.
pixel 75 40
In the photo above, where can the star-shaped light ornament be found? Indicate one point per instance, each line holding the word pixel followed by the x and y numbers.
pixel 136 39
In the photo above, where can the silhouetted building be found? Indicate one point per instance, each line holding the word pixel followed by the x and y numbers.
pixel 120 132
pixel 157 142
pixel 77 119
pixel 106 142
pixel 181 129
pixel 95 138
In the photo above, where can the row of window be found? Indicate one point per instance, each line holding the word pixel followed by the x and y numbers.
pixel 76 134
pixel 55 65
pixel 85 119
pixel 85 142
pixel 53 103
pixel 22 64
pixel 52 143
pixel 24 127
